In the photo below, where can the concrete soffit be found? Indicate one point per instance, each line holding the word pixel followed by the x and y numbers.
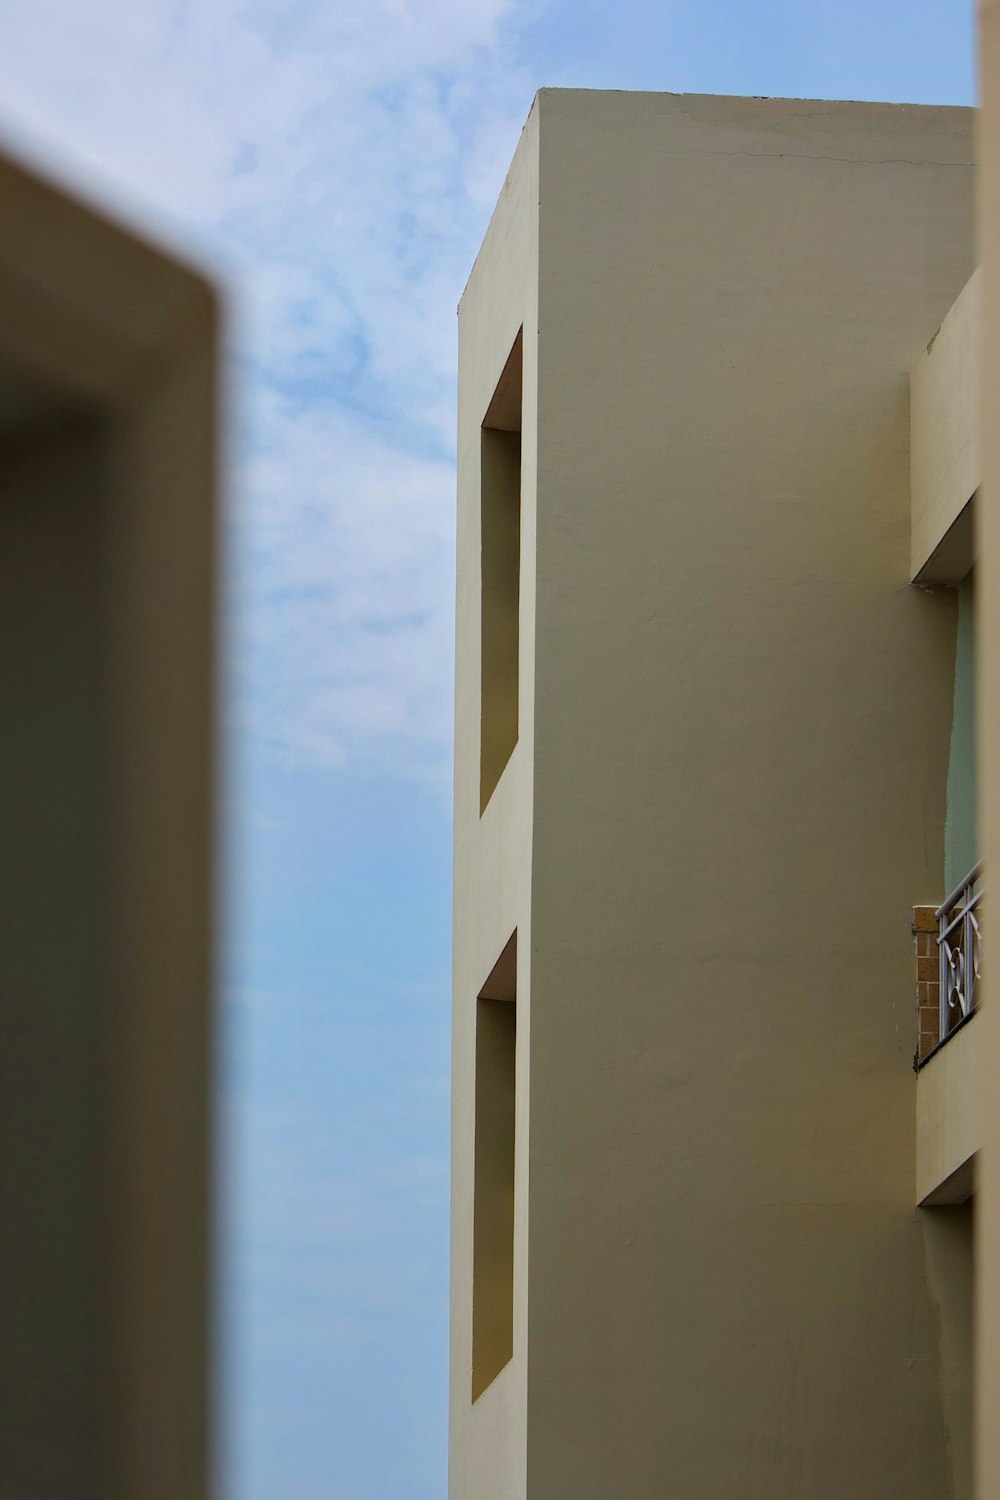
pixel 944 446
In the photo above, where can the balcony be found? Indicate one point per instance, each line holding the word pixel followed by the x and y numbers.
pixel 958 953
pixel 948 963
pixel 948 968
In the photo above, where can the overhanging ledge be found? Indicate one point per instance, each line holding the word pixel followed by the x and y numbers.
pixel 944 445
pixel 947 1125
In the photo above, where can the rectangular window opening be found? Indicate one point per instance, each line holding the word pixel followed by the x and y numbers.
pixel 493 1203
pixel 54 873
pixel 949 1236
pixel 500 499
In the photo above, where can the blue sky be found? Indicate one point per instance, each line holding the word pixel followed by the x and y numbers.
pixel 334 162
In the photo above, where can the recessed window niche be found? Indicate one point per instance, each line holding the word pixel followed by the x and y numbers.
pixel 500 488
pixel 493 1210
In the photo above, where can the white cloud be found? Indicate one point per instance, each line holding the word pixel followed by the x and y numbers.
pixel 339 160
pixel 349 567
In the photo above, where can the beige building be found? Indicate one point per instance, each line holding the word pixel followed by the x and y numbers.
pixel 987 1283
pixel 107 522
pixel 717 884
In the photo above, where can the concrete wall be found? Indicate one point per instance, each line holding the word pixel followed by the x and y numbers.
pixel 492 847
pixel 740 748
pixel 988 602
pixel 107 529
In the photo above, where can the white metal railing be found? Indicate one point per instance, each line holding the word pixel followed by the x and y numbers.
pixel 958 950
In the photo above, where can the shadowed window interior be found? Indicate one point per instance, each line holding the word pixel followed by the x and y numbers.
pixel 493 1218
pixel 949 1235
pixel 52 959
pixel 500 480
pixel 960 844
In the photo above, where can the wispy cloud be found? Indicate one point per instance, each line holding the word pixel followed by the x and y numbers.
pixel 348 567
pixel 338 162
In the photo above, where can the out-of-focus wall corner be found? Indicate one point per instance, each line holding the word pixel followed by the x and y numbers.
pixel 109 483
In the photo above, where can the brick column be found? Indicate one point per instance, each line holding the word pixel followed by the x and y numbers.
pixel 928 981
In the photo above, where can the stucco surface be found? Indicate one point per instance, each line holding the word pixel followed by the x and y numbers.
pixel 487 1445
pixel 944 413
pixel 727 794
pixel 740 742
pixel 988 605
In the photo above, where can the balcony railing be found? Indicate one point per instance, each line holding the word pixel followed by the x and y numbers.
pixel 958 951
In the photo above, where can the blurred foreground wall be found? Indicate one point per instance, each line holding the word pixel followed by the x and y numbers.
pixel 107 570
